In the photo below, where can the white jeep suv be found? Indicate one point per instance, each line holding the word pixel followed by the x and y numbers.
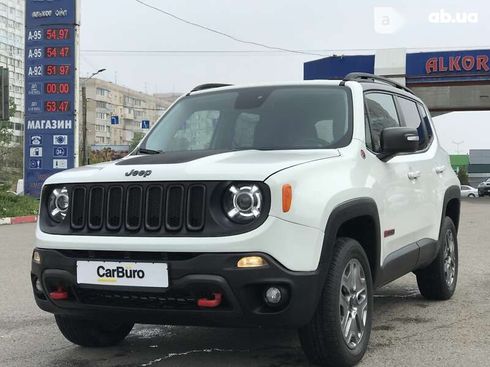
pixel 266 205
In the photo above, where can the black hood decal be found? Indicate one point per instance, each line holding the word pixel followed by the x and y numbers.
pixel 169 157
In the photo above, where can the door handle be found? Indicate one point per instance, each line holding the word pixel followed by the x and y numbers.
pixel 440 169
pixel 413 175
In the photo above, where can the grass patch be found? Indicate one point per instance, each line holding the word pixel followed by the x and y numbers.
pixel 12 205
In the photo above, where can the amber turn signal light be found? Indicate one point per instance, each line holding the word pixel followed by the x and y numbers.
pixel 251 262
pixel 287 197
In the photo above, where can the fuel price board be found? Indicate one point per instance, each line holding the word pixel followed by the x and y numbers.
pixel 51 41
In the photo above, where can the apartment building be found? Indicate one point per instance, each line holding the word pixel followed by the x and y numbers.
pixel 12 22
pixel 129 107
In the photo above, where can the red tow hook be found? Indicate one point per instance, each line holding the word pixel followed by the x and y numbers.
pixel 59 295
pixel 210 303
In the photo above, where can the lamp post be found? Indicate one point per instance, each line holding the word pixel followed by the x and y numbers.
pixel 84 117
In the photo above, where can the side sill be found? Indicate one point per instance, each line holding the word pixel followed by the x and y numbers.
pixel 407 259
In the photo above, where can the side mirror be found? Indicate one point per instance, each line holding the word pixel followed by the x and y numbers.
pixel 395 140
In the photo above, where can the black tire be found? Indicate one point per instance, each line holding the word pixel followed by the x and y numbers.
pixel 322 339
pixel 433 281
pixel 91 333
pixel 471 195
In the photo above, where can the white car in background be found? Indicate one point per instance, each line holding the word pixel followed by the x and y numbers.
pixel 468 192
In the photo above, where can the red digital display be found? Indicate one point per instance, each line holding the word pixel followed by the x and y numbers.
pixel 63 51
pixel 56 106
pixel 57 69
pixel 57 88
pixel 57 34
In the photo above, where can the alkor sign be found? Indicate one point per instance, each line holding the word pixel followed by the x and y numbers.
pixel 448 66
pixel 457 63
pixel 420 67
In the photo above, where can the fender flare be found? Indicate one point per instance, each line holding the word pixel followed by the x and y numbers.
pixel 453 192
pixel 342 213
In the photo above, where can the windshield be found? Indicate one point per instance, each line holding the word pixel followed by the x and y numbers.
pixel 305 117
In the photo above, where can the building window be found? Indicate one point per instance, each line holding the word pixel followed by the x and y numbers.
pixel 17 126
pixel 131 101
pixel 102 92
pixel 102 115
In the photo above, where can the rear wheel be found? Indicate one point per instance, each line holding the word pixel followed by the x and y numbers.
pixel 339 331
pixel 438 280
pixel 91 333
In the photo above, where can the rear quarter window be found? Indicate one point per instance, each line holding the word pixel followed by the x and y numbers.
pixel 412 118
pixel 426 119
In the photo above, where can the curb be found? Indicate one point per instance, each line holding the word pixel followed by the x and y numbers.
pixel 18 220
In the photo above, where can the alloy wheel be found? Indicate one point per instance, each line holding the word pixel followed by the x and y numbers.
pixel 353 303
pixel 449 258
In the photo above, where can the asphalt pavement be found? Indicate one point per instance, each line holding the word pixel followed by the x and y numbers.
pixel 407 329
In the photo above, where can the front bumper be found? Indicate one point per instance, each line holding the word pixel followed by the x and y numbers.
pixel 191 276
pixel 295 246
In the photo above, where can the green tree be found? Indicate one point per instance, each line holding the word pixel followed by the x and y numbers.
pixel 11 154
pixel 5 134
pixel 463 176
pixel 6 127
pixel 136 140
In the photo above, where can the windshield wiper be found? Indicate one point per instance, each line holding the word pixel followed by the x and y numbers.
pixel 148 151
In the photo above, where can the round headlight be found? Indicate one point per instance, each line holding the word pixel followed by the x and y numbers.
pixel 58 204
pixel 243 203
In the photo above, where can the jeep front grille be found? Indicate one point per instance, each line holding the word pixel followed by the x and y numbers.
pixel 138 207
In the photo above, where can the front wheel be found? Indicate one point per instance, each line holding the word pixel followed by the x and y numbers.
pixel 438 280
pixel 471 195
pixel 92 333
pixel 338 333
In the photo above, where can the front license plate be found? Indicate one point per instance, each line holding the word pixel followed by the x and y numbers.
pixel 122 273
